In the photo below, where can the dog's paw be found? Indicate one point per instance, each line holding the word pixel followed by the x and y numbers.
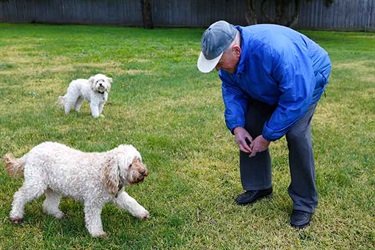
pixel 102 235
pixel 59 215
pixel 143 215
pixel 17 220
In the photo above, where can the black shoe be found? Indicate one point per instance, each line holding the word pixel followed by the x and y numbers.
pixel 300 219
pixel 251 196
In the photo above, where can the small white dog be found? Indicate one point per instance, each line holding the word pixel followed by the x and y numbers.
pixel 95 90
pixel 93 178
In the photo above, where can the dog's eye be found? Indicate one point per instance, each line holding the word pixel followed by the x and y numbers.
pixel 130 165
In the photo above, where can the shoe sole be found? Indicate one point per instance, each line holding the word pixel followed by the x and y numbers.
pixel 250 203
pixel 300 226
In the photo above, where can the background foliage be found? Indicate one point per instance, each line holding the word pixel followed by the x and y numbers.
pixel 173 115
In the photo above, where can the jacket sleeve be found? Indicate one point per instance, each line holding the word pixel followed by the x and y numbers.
pixel 293 71
pixel 235 101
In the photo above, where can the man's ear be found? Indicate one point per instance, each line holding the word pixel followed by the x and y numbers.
pixel 237 50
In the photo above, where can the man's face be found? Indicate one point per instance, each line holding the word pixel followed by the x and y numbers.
pixel 229 60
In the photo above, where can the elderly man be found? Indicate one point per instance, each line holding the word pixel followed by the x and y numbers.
pixel 272 78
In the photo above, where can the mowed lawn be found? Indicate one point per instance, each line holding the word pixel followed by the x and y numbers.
pixel 173 115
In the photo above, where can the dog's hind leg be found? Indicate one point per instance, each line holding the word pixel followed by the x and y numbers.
pixel 70 101
pixel 78 104
pixel 51 204
pixel 93 220
pixel 68 105
pixel 30 190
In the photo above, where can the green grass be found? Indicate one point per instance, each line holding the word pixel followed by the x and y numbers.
pixel 173 115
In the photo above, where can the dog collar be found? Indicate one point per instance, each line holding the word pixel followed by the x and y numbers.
pixel 121 184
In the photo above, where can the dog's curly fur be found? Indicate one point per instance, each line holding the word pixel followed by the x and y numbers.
pixel 93 178
pixel 95 90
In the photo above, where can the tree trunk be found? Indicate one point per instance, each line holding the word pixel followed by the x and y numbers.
pixel 147 14
pixel 294 18
pixel 264 13
pixel 281 12
pixel 251 15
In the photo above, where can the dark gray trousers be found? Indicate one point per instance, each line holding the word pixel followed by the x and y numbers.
pixel 256 171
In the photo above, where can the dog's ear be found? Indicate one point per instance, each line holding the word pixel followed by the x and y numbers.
pixel 92 82
pixel 110 175
pixel 109 85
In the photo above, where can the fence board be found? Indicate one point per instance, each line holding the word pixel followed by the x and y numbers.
pixel 350 15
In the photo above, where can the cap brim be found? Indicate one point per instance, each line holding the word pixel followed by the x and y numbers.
pixel 205 65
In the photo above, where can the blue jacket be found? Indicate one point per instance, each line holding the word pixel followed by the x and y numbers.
pixel 280 67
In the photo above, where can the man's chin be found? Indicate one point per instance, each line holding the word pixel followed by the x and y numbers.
pixel 229 71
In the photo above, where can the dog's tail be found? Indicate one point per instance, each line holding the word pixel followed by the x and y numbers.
pixel 61 101
pixel 13 166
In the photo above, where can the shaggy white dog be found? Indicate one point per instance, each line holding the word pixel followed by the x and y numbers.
pixel 93 178
pixel 95 90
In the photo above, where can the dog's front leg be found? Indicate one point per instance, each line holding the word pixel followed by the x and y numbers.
pixel 125 201
pixel 93 220
pixel 94 109
pixel 101 105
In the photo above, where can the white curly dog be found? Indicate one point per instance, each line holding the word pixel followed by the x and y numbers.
pixel 95 90
pixel 93 178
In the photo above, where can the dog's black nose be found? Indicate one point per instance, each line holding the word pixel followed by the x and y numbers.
pixel 143 172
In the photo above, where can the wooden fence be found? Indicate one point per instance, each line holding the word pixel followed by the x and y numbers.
pixel 348 15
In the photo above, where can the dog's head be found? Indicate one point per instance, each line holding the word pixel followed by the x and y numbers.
pixel 100 83
pixel 124 167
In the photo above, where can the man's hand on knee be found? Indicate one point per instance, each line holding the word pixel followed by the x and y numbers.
pixel 243 139
pixel 259 144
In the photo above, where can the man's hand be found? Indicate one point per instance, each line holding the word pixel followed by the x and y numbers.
pixel 243 139
pixel 259 144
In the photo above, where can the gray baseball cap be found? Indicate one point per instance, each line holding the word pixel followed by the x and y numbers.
pixel 215 40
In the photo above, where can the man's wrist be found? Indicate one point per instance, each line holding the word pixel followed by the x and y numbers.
pixel 235 130
pixel 266 139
